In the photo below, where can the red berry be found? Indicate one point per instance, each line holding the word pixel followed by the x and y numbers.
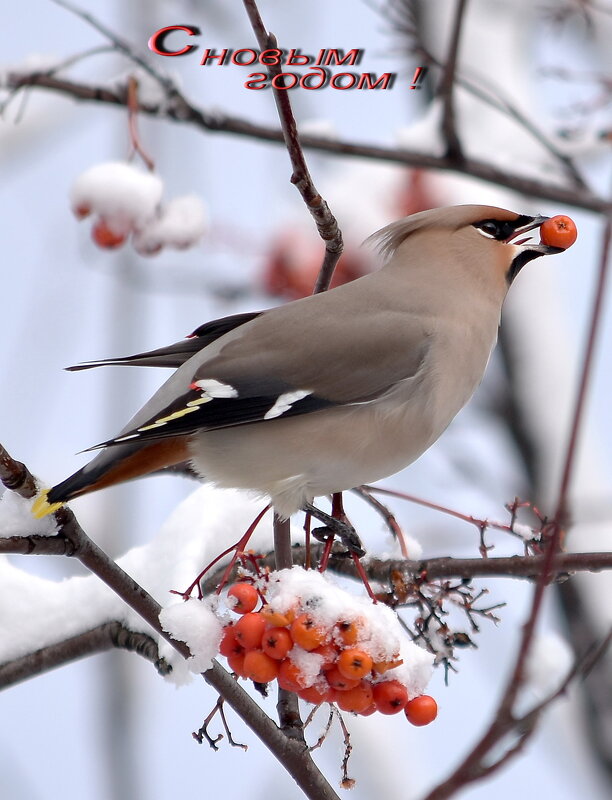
pixel 338 681
pixel 260 667
pixel 354 663
pixel 276 642
pixel 422 710
pixel 316 694
pixel 236 663
pixel 328 653
pixel 244 596
pixel 306 632
pixel 249 630
pixel 229 645
pixel 290 676
pixel 559 231
pixel 390 697
pixel 347 631
pixel 106 236
pixel 357 700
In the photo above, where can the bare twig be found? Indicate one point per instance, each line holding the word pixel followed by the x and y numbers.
pixel 120 44
pixel 387 515
pixel 132 102
pixel 325 221
pixel 447 84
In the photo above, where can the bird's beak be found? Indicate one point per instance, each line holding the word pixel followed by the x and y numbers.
pixel 541 249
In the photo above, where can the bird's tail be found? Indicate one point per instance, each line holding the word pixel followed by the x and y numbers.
pixel 112 466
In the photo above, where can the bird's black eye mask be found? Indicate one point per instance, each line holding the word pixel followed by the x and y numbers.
pixel 500 229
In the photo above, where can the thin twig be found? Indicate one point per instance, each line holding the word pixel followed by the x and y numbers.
pixel 325 221
pixel 387 515
pixel 132 91
pixel 120 44
pixel 447 85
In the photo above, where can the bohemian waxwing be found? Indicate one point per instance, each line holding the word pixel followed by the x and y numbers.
pixel 337 389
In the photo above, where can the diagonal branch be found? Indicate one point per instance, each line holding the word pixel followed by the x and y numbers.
pixel 325 221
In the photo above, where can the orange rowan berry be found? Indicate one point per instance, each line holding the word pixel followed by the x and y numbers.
pixel 559 231
pixel 276 642
pixel 229 645
pixel 260 667
pixel 317 693
pixel 422 710
pixel 390 697
pixel 306 632
pixel 245 597
pixel 354 663
pixel 104 236
pixel 290 676
pixel 249 630
pixel 347 632
pixel 236 663
pixel 339 681
pixel 357 699
pixel 276 618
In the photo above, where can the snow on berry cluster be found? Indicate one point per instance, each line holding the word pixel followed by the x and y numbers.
pixel 325 645
pixel 127 201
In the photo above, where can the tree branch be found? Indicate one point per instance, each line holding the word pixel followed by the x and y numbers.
pixel 178 109
pixel 97 640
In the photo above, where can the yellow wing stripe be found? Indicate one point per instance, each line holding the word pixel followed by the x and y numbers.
pixel 164 420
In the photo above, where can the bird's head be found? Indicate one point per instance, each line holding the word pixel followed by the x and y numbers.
pixel 492 242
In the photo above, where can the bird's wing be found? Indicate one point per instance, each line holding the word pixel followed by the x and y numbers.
pixel 283 363
pixel 176 354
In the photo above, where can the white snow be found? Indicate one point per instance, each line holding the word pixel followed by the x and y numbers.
pixel 121 193
pixel 380 632
pixel 16 518
pixel 180 223
pixel 524 531
pixel 194 622
pixel 35 612
pixel 323 128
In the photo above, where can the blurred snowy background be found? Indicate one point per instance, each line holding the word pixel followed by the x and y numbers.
pixel 110 728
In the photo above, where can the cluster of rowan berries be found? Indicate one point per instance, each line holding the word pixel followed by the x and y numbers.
pixel 127 202
pixel 320 664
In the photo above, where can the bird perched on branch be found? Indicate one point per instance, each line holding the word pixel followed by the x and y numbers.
pixel 337 389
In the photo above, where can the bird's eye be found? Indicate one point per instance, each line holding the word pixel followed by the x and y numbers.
pixel 488 228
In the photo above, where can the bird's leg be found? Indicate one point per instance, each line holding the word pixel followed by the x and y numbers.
pixel 337 524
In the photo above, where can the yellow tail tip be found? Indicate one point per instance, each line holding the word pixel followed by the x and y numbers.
pixel 41 507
